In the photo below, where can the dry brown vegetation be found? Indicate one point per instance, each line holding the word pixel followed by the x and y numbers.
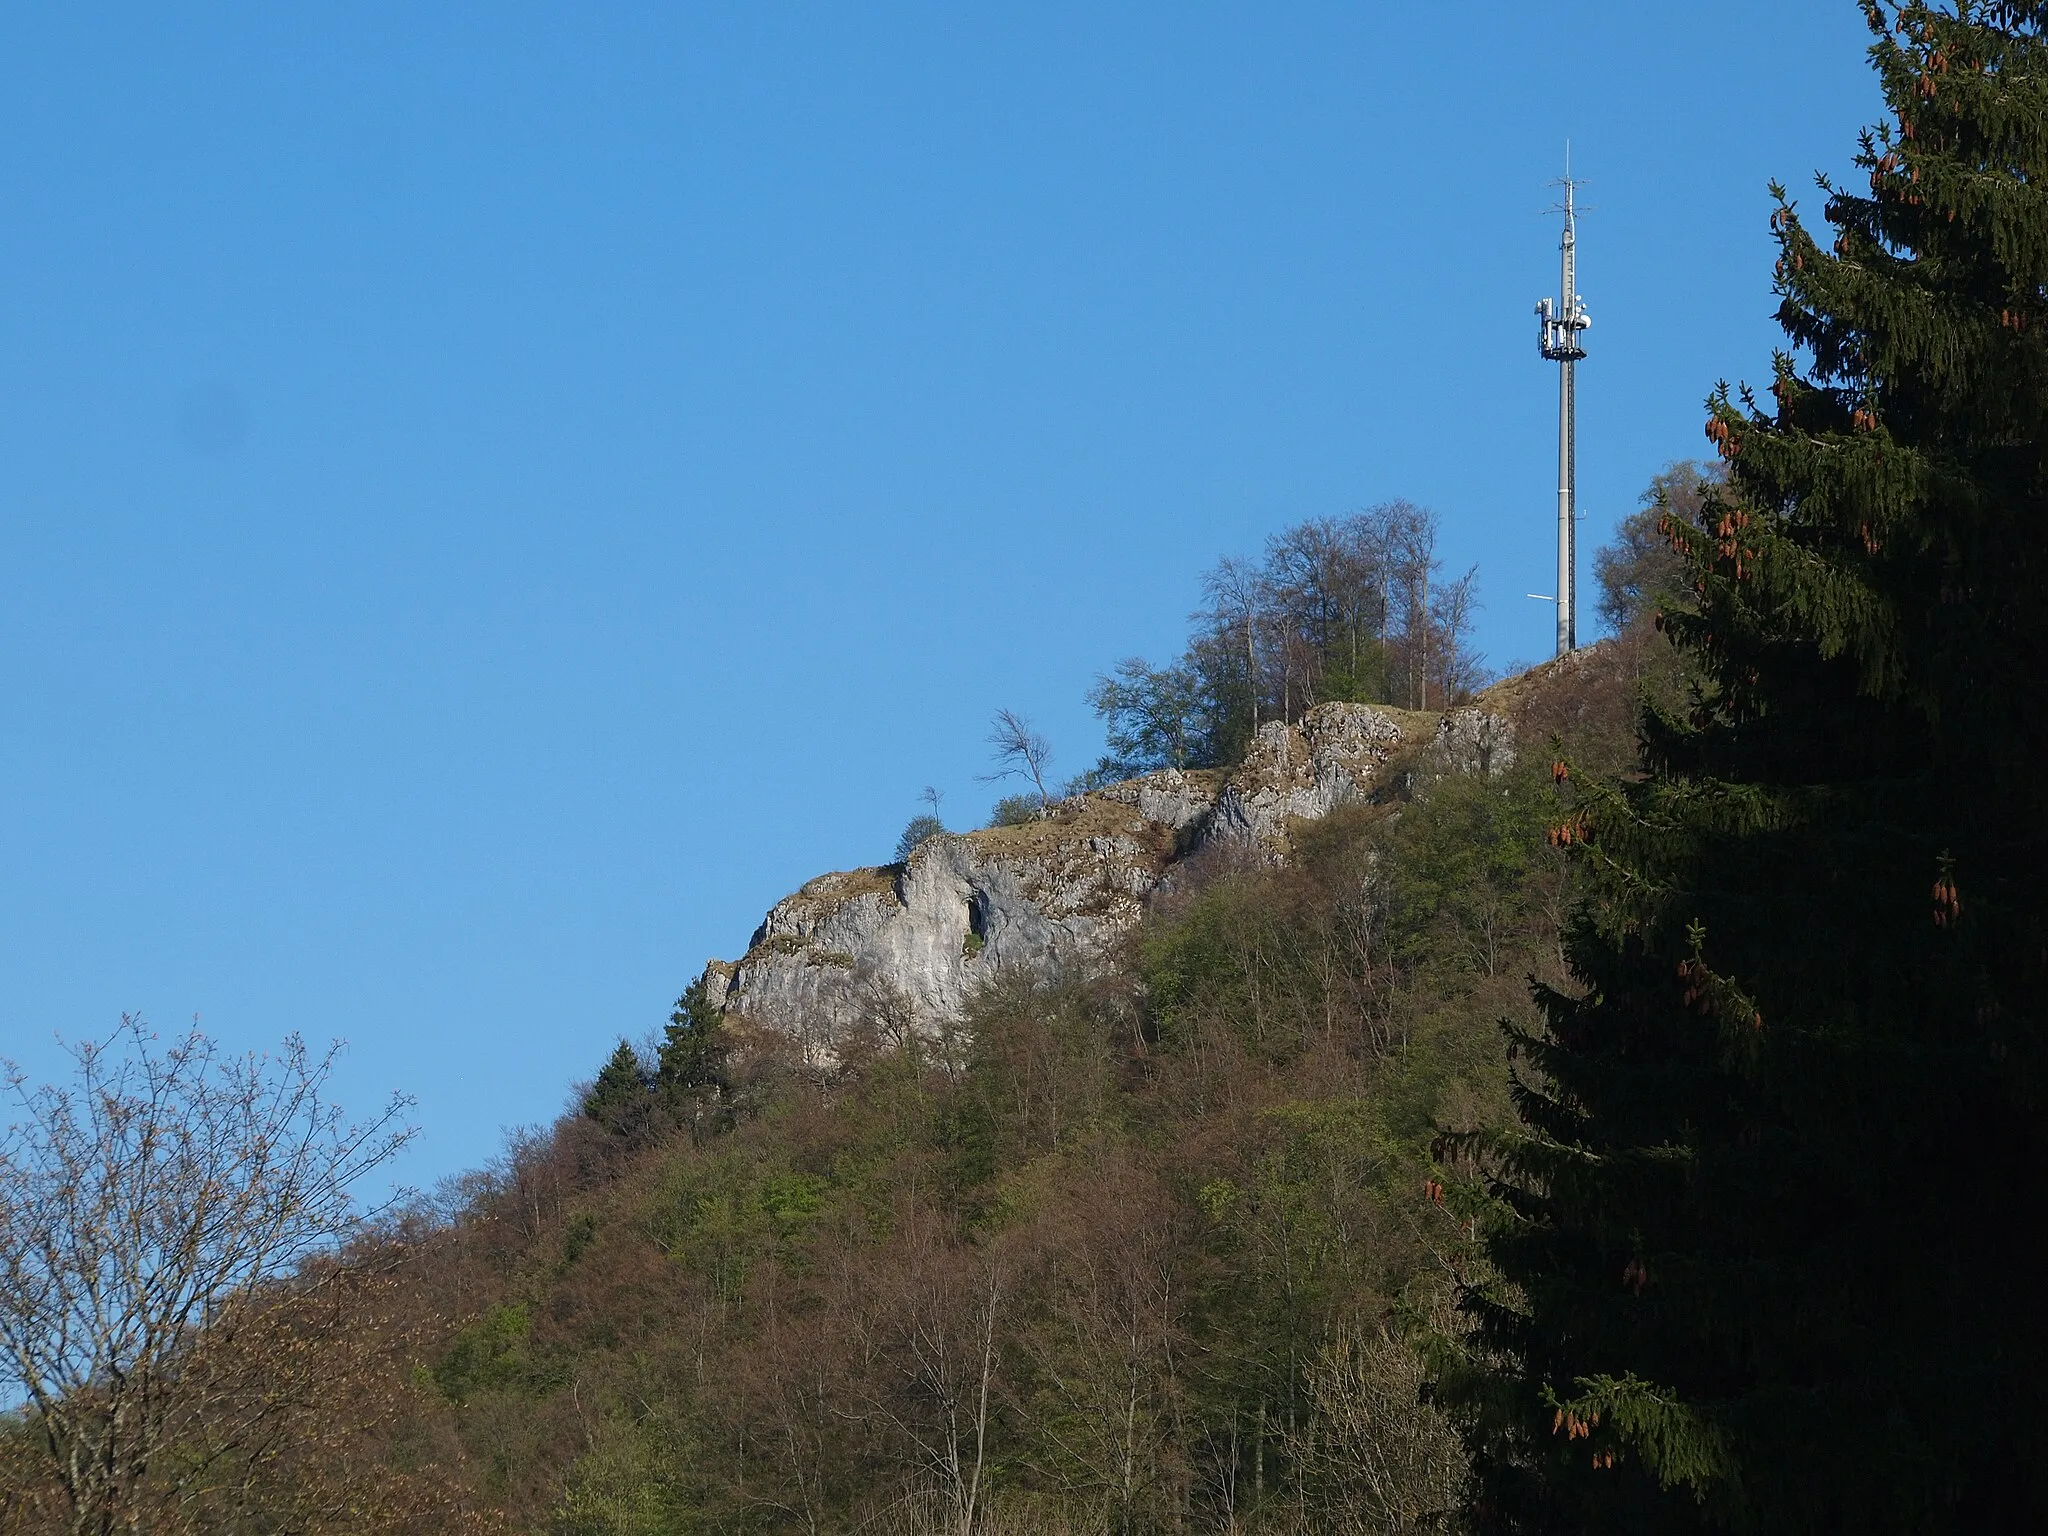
pixel 191 1334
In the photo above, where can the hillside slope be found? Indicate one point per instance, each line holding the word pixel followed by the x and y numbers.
pixel 1139 1232
pixel 1130 1223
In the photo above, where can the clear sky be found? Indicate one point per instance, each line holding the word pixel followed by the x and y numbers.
pixel 492 496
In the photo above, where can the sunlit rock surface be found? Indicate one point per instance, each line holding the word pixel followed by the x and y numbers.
pixel 906 945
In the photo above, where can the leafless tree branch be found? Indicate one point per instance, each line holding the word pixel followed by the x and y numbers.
pixel 162 1204
pixel 1020 753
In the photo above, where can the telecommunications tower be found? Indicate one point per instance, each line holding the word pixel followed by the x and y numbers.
pixel 1564 323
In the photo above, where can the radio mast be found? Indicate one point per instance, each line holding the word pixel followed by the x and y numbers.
pixel 1564 322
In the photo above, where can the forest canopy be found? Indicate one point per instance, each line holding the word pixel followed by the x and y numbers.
pixel 1354 608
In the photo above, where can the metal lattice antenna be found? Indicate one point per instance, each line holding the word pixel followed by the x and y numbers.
pixel 1564 322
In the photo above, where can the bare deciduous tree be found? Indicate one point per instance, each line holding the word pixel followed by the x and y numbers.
pixel 926 1312
pixel 168 1200
pixel 1350 608
pixel 1382 1458
pixel 1639 563
pixel 1106 1347
pixel 1453 665
pixel 1235 592
pixel 1020 753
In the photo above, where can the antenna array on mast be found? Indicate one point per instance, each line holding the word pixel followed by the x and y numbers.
pixel 1564 321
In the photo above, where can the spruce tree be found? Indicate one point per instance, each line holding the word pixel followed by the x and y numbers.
pixel 1767 1261
pixel 690 1071
pixel 619 1099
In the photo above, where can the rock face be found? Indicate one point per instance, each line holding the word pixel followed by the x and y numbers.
pixel 1301 773
pixel 909 943
pixel 1475 741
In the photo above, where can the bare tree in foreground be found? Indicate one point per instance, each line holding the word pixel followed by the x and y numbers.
pixel 1020 753
pixel 927 1316
pixel 167 1201
pixel 1382 1459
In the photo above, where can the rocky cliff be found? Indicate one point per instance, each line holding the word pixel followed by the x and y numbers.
pixel 908 943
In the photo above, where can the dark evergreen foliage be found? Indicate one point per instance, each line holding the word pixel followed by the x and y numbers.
pixel 1765 1262
pixel 619 1099
pixel 690 1074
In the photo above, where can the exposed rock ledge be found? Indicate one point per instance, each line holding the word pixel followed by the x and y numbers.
pixel 912 941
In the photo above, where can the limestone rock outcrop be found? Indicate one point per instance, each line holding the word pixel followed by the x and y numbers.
pixel 1304 772
pixel 910 942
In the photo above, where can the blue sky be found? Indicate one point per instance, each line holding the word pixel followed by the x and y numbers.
pixel 492 496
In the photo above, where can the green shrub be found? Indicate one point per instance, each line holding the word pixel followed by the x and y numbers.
pixel 917 831
pixel 491 1354
pixel 1014 811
